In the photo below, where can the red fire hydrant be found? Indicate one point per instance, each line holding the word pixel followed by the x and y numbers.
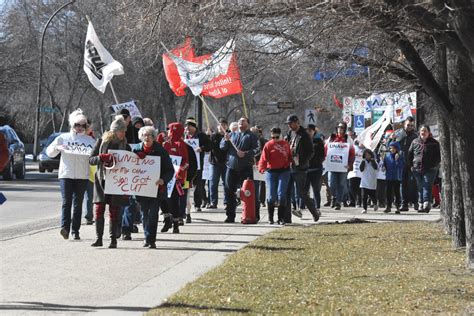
pixel 247 196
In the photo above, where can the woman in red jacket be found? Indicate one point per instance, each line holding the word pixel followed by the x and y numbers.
pixel 275 161
pixel 175 146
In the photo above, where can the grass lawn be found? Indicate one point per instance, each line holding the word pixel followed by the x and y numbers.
pixel 392 268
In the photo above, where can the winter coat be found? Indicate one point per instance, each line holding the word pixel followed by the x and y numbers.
pixel 72 166
pixel 166 166
pixel 424 155
pixel 4 153
pixel 276 154
pixel 102 147
pixel 244 141
pixel 177 147
pixel 393 167
pixel 405 139
pixel 301 147
pixel 316 161
pixel 217 156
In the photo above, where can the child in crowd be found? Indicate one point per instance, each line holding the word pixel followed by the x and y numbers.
pixel 393 163
pixel 368 181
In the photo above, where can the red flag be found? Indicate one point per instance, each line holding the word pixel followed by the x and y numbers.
pixel 186 51
pixel 337 102
pixel 222 85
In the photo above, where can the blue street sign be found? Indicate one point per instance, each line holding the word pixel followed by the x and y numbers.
pixel 359 123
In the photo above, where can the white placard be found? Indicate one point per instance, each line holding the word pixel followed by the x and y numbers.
pixel 337 157
pixel 176 161
pixel 206 169
pixel 130 106
pixel 358 159
pixel 310 117
pixel 132 175
pixel 194 143
pixel 75 148
pixel 257 176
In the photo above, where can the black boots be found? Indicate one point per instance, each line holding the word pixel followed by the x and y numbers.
pixel 167 223
pixel 281 214
pixel 271 211
pixel 176 227
pixel 99 231
pixel 113 233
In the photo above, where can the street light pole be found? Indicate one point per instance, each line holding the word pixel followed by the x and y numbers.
pixel 38 98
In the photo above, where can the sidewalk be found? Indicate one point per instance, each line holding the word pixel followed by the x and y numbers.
pixel 43 274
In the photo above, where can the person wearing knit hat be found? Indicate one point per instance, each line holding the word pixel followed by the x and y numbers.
pixel 73 171
pixel 192 132
pixel 100 157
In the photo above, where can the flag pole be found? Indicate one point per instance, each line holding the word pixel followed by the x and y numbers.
pixel 206 116
pixel 245 105
pixel 113 92
pixel 217 120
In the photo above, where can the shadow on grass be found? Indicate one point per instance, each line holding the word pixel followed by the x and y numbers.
pixel 281 238
pixel 40 306
pixel 200 307
pixel 271 248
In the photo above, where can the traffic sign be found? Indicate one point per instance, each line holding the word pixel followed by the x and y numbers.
pixel 310 117
pixel 285 105
pixel 48 109
pixel 359 123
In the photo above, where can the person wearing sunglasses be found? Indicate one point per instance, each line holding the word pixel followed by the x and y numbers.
pixel 73 172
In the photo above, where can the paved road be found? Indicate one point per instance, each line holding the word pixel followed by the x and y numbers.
pixel 43 274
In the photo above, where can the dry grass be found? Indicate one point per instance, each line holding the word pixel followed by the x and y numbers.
pixel 395 268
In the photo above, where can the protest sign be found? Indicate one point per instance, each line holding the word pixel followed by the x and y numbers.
pixel 206 169
pixel 257 176
pixel 130 106
pixel 355 167
pixel 83 147
pixel 337 157
pixel 176 161
pixel 194 143
pixel 131 175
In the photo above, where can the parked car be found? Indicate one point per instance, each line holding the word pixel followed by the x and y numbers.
pixel 44 161
pixel 16 155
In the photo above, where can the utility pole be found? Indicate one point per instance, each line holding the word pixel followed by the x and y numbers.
pixel 38 97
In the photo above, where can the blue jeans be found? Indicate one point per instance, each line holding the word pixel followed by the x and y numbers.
pixel 128 216
pixel 72 192
pixel 218 172
pixel 233 179
pixel 313 179
pixel 149 209
pixel 89 197
pixel 277 186
pixel 338 182
pixel 297 184
pixel 424 183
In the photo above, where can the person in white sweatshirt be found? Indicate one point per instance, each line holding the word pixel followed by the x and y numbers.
pixel 73 173
pixel 368 181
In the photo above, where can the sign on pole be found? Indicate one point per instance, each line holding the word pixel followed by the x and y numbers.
pixel 359 123
pixel 206 169
pixel 130 106
pixel 131 175
pixel 310 117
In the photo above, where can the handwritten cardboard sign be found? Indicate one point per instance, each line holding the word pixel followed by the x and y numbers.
pixel 194 143
pixel 337 157
pixel 79 147
pixel 132 175
pixel 257 176
pixel 206 169
pixel 130 106
pixel 176 161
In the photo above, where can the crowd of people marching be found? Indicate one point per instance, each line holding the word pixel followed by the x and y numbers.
pixel 401 171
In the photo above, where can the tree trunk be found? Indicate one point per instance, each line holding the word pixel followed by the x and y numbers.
pixel 458 226
pixel 461 84
pixel 167 100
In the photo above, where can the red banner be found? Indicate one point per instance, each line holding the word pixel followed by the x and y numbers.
pixel 186 52
pixel 225 85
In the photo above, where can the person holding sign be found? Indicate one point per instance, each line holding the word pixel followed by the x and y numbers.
pixel 151 205
pixel 176 146
pixel 340 155
pixel 204 145
pixel 73 173
pixel 112 139
pixel 368 182
pixel 275 162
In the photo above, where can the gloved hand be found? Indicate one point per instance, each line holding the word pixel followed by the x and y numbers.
pixel 105 157
pixel 141 154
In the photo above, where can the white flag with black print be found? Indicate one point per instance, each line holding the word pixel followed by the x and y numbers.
pixel 99 65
